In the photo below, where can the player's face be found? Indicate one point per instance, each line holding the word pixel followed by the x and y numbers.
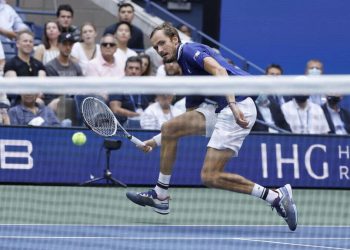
pixel 164 45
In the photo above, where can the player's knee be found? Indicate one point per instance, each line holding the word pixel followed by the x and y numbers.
pixel 168 129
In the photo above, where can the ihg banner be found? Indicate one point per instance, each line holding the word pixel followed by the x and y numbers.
pixel 48 156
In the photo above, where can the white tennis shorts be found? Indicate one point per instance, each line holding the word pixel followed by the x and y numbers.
pixel 208 110
pixel 227 133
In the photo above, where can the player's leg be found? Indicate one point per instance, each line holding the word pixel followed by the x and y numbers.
pixel 225 142
pixel 189 123
pixel 213 174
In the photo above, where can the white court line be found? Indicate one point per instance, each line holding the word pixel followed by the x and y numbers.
pixel 178 238
pixel 167 238
pixel 294 244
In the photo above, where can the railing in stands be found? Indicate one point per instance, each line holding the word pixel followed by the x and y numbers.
pixel 246 64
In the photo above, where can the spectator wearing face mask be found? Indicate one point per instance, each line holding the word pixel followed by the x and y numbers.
pixel 304 116
pixel 314 67
pixel 338 118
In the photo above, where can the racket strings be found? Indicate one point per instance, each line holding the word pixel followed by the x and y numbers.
pixel 98 117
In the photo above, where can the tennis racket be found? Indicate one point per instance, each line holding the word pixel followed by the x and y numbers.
pixel 100 119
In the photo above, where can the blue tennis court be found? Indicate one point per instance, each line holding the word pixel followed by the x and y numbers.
pixel 172 237
pixel 51 217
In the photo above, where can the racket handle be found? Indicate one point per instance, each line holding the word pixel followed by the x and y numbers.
pixel 137 141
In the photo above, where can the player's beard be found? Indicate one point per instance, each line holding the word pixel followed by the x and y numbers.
pixel 170 59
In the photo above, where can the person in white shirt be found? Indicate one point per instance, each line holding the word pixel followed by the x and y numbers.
pixel 123 35
pixel 105 64
pixel 304 116
pixel 10 22
pixel 87 49
pixel 48 50
pixel 314 67
pixel 159 112
pixel 2 59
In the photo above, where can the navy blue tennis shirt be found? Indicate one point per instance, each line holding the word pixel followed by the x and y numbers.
pixel 190 57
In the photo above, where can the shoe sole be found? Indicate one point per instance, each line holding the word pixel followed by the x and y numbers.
pixel 293 226
pixel 144 202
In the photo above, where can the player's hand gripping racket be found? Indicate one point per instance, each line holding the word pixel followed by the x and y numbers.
pixel 100 119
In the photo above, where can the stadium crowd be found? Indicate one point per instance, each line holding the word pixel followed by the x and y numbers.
pixel 66 50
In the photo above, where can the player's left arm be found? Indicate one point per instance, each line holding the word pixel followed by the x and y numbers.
pixel 214 68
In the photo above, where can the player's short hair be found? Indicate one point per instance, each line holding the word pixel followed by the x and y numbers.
pixel 19 34
pixel 123 5
pixel 168 29
pixel 65 7
pixel 274 65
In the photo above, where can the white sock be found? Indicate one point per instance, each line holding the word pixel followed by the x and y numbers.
pixel 162 185
pixel 264 193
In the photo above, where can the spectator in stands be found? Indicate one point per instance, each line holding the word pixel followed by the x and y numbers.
pixel 126 14
pixel 29 112
pixel 172 68
pixel 87 49
pixel 65 15
pixel 122 35
pixel 304 116
pixel 276 70
pixel 2 59
pixel 337 117
pixel 106 63
pixel 24 64
pixel 268 107
pixel 185 29
pixel 146 64
pixel 156 60
pixel 4 117
pixel 314 67
pixel 128 108
pixel 270 112
pixel 62 65
pixel 159 112
pixel 48 50
pixel 10 22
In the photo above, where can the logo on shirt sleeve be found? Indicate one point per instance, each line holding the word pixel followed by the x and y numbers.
pixel 196 55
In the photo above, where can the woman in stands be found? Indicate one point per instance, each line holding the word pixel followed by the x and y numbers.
pixel 123 35
pixel 87 49
pixel 48 50
pixel 146 64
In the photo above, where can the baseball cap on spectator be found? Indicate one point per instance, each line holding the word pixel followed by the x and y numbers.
pixel 66 37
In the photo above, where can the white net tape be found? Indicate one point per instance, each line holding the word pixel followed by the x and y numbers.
pixel 199 85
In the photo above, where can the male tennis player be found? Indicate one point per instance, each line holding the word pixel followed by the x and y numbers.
pixel 227 123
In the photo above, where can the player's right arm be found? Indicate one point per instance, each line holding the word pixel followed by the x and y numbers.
pixel 214 68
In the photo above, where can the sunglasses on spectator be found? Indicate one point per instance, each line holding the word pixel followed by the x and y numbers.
pixel 108 44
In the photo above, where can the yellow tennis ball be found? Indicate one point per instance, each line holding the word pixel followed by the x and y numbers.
pixel 79 138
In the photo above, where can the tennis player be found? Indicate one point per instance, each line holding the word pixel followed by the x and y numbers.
pixel 226 120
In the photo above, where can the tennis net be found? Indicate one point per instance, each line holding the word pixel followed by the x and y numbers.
pixel 48 200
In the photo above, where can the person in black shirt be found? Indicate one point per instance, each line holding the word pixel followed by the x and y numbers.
pixel 24 64
pixel 126 14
